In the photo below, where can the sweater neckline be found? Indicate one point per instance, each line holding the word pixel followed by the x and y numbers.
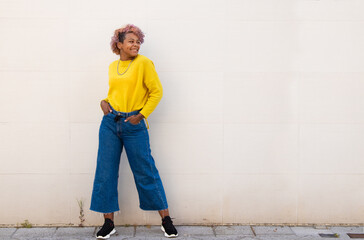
pixel 128 61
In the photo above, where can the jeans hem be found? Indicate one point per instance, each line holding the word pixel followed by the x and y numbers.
pixel 152 209
pixel 104 211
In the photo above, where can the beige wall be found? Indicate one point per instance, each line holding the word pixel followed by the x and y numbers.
pixel 262 120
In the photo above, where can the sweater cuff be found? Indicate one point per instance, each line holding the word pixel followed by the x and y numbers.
pixel 146 115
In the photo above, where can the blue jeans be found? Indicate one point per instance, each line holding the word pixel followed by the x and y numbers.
pixel 115 134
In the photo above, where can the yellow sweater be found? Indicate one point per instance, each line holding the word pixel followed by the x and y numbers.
pixel 139 88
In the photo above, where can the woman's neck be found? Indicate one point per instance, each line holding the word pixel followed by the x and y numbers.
pixel 125 58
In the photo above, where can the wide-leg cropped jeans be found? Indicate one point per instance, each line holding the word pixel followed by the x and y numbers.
pixel 115 134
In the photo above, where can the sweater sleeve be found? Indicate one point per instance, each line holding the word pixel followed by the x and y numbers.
pixel 154 86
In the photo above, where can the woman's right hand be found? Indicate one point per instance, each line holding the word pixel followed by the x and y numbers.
pixel 105 107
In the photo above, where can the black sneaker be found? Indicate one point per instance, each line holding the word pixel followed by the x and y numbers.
pixel 168 228
pixel 107 229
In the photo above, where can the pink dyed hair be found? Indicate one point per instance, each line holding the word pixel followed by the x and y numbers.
pixel 129 28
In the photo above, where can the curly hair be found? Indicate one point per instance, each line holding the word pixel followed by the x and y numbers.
pixel 119 36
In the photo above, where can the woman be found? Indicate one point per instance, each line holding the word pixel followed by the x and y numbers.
pixel 134 92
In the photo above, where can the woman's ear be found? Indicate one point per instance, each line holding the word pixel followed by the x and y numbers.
pixel 118 45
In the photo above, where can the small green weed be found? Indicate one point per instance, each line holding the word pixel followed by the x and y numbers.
pixel 82 215
pixel 26 224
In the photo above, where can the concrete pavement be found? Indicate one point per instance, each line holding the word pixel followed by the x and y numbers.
pixel 235 232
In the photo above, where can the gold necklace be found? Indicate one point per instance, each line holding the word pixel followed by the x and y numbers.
pixel 117 69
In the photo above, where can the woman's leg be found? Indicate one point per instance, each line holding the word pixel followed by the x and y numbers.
pixel 146 176
pixel 163 213
pixel 105 193
pixel 109 215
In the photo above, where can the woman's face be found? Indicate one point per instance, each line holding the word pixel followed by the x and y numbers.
pixel 130 46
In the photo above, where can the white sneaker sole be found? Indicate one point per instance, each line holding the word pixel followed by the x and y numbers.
pixel 168 236
pixel 107 236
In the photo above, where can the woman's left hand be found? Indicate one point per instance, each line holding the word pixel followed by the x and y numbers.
pixel 135 119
